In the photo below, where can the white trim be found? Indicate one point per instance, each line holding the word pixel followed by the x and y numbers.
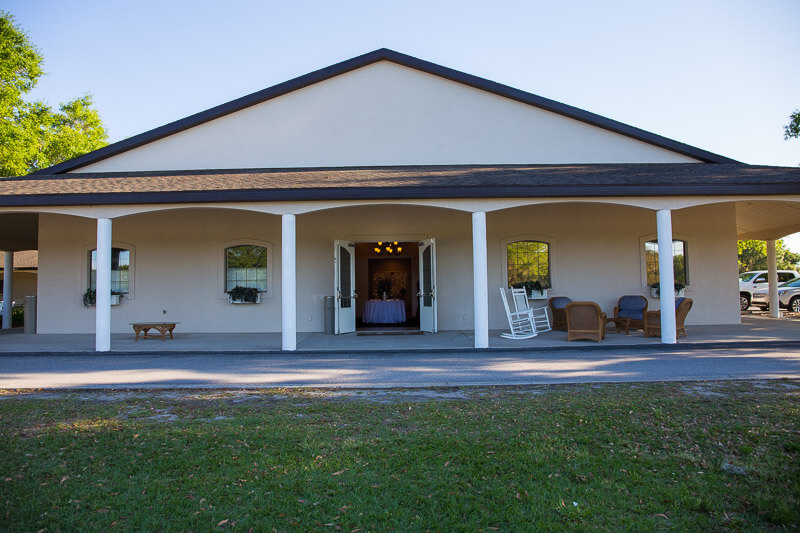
pixel 221 279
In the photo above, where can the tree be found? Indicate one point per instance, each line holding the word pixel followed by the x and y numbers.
pixel 32 135
pixel 753 256
pixel 792 129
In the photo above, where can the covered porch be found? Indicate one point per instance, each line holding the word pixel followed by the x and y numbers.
pixel 756 329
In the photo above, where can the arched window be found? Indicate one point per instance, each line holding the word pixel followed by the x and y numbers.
pixel 679 249
pixel 120 270
pixel 528 261
pixel 246 266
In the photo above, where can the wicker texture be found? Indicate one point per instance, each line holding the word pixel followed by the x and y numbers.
pixel 558 305
pixel 633 306
pixel 652 326
pixel 585 320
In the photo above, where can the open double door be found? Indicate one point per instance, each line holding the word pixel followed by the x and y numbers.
pixel 345 286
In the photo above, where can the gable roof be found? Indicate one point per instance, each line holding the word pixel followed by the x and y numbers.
pixel 391 183
pixel 383 54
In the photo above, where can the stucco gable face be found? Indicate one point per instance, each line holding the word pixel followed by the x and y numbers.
pixel 386 114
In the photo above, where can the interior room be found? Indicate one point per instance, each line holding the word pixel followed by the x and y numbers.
pixel 387 274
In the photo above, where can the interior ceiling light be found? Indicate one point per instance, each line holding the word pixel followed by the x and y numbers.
pixel 387 248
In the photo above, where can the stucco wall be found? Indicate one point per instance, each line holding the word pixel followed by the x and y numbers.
pixel 178 261
pixel 386 114
pixel 24 285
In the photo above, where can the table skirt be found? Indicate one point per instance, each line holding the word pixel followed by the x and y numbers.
pixel 384 311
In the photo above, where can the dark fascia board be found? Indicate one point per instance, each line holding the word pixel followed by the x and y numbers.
pixel 383 54
pixel 397 193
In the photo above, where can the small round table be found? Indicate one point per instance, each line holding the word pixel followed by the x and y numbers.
pixel 621 323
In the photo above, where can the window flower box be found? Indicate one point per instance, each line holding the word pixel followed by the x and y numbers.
pixel 537 295
pixel 90 298
pixel 244 295
pixel 655 292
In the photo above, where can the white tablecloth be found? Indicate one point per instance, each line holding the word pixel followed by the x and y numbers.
pixel 384 311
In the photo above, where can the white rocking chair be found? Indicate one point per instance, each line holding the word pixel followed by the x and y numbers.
pixel 541 321
pixel 521 323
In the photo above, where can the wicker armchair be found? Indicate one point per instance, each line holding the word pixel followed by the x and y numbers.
pixel 585 320
pixel 558 305
pixel 652 326
pixel 633 306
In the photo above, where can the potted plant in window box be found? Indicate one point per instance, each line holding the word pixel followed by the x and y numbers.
pixel 534 289
pixel 244 295
pixel 655 289
pixel 90 298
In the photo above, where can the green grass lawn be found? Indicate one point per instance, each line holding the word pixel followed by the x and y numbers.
pixel 637 457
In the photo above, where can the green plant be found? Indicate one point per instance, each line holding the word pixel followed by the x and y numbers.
pixel 244 294
pixel 89 297
pixel 17 317
pixel 530 286
pixel 678 286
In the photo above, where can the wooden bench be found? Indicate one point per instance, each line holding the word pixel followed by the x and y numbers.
pixel 162 327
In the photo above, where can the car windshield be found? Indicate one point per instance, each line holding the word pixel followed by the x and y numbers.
pixel 793 283
pixel 746 276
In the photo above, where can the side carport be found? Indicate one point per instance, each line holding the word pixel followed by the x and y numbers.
pixel 768 220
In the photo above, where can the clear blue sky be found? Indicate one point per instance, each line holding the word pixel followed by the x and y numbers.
pixel 720 75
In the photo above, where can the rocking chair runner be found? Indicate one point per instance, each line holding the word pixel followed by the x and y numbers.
pixel 521 323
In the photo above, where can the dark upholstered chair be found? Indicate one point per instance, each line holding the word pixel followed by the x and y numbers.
pixel 633 306
pixel 652 326
pixel 558 305
pixel 585 320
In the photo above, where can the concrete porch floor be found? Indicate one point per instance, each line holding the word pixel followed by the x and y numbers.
pixel 754 329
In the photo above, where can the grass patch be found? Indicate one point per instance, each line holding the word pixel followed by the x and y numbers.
pixel 674 456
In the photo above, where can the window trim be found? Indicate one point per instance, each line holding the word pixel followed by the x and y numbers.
pixel 222 265
pixel 643 240
pixel 86 266
pixel 552 247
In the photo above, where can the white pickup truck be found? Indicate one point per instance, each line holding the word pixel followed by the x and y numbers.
pixel 750 282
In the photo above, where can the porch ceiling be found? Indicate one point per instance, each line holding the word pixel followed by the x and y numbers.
pixel 19 231
pixel 765 220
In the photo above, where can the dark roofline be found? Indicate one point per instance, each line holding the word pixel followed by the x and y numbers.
pixel 383 54
pixel 393 193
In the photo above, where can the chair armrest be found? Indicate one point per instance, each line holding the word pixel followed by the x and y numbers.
pixel 616 310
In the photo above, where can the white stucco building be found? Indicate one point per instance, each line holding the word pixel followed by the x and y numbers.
pixel 290 190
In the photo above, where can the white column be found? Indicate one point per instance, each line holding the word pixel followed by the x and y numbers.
pixel 102 309
pixel 480 280
pixel 8 288
pixel 772 277
pixel 666 276
pixel 288 283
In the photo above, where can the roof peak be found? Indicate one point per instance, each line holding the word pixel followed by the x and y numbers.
pixel 382 54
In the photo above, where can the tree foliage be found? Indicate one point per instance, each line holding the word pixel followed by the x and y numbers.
pixel 792 129
pixel 753 256
pixel 32 134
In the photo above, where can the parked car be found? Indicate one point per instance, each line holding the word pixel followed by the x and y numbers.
pixel 788 296
pixel 755 280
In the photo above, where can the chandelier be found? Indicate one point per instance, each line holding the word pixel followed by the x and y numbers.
pixel 387 248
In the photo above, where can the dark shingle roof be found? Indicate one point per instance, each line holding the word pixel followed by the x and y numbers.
pixel 383 54
pixel 392 183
